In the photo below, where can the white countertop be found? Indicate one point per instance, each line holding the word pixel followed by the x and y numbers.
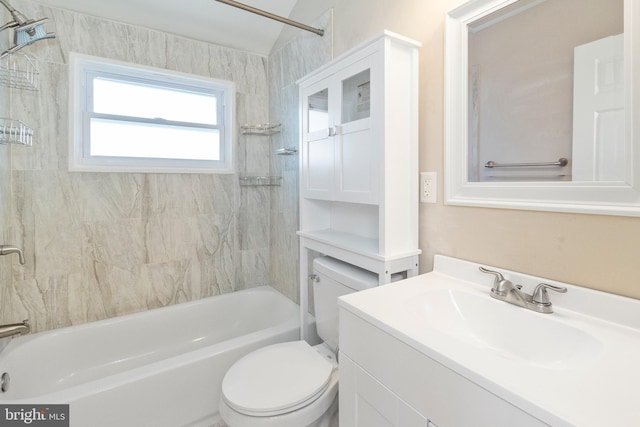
pixel 594 382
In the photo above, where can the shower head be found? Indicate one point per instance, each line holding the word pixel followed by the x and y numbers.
pixel 26 31
pixel 31 31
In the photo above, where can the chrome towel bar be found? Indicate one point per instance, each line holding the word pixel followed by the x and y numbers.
pixel 561 162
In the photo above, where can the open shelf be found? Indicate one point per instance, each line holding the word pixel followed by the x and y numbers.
pixel 351 242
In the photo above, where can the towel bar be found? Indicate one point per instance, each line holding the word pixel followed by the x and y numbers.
pixel 491 164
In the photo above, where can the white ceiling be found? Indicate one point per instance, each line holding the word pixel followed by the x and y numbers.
pixel 206 20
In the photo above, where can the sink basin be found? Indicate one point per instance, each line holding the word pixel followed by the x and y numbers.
pixel 508 331
pixel 575 367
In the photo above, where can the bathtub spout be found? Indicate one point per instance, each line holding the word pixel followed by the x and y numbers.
pixel 10 249
pixel 10 329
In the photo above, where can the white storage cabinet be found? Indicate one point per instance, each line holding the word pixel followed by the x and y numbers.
pixel 359 160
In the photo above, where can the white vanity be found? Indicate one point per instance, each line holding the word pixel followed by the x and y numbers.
pixel 437 350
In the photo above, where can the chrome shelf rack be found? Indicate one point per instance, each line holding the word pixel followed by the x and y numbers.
pixel 19 71
pixel 261 129
pixel 255 181
pixel 15 132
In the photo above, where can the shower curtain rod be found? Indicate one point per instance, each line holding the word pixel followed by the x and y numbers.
pixel 269 15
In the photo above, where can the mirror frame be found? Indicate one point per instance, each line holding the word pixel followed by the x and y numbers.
pixel 604 198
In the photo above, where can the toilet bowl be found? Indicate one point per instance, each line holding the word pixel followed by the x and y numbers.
pixel 282 385
pixel 294 384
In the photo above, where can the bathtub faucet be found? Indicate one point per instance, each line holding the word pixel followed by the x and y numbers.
pixel 10 329
pixel 10 249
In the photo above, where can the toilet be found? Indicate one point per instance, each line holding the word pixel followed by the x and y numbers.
pixel 293 384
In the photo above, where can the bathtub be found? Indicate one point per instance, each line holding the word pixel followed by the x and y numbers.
pixel 163 367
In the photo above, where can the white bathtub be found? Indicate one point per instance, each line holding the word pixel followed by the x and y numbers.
pixel 160 368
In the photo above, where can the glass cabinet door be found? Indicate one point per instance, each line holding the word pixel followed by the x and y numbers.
pixel 340 159
pixel 357 166
pixel 317 114
pixel 356 97
pixel 317 142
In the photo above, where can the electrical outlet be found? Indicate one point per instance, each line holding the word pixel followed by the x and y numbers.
pixel 428 187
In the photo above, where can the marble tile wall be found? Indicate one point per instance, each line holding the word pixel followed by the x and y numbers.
pixel 5 172
pixel 293 61
pixel 105 244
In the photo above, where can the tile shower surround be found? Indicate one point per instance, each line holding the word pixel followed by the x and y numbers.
pixel 5 174
pixel 100 245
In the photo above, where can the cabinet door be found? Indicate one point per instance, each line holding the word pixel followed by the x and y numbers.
pixel 317 142
pixel 357 167
pixel 365 402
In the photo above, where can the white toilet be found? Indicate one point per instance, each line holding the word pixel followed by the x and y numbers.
pixel 293 384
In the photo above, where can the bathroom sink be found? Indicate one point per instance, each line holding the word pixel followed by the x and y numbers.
pixel 506 330
pixel 576 366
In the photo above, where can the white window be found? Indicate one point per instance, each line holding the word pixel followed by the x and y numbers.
pixel 129 118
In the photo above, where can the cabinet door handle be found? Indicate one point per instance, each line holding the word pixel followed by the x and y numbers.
pixel 331 132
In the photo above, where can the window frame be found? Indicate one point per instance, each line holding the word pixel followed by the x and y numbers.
pixel 84 68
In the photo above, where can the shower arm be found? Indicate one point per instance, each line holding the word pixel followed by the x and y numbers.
pixel 18 18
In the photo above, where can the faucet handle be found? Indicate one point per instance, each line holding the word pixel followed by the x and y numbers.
pixel 498 275
pixel 540 295
pixel 500 285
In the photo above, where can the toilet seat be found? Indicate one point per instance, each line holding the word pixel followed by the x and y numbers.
pixel 276 379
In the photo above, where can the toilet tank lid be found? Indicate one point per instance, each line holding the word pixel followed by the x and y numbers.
pixel 348 275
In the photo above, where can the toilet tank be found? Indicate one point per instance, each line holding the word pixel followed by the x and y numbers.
pixel 334 279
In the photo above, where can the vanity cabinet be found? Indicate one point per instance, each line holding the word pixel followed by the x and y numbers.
pixel 359 160
pixel 370 404
pixel 387 383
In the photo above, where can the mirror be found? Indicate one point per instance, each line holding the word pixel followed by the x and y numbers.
pixel 539 102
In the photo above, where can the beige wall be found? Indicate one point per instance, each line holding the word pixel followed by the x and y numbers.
pixel 599 252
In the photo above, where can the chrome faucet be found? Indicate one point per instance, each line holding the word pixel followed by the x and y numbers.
pixel 505 290
pixel 10 249
pixel 10 329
